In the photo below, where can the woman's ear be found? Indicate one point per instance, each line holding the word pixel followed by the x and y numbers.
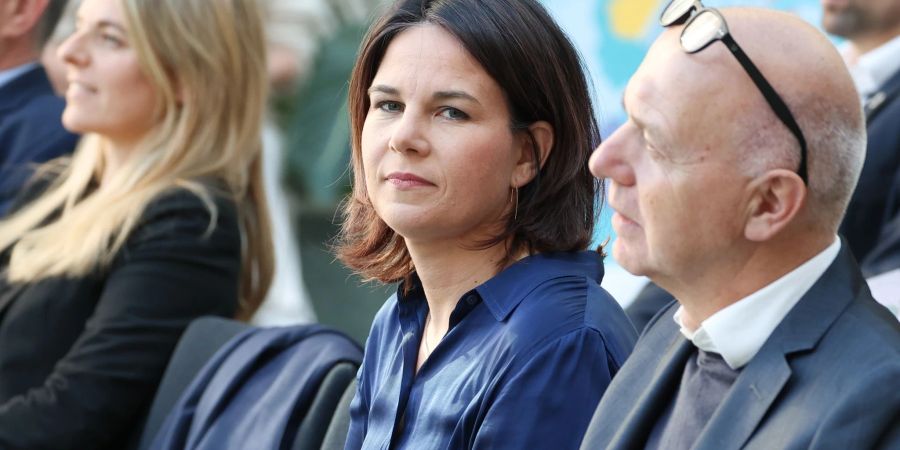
pixel 539 136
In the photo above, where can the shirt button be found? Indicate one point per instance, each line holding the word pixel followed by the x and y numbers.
pixel 471 300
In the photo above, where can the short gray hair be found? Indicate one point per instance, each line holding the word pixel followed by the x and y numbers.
pixel 836 142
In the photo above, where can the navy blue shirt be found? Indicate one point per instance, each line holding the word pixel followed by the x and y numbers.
pixel 523 365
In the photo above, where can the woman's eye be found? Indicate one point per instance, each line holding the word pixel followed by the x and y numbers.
pixel 111 40
pixel 389 106
pixel 454 114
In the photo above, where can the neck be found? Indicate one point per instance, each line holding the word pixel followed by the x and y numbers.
pixel 449 270
pixel 15 54
pixel 750 269
pixel 865 43
pixel 115 156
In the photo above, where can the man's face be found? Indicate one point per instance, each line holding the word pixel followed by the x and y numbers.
pixel 854 18
pixel 18 21
pixel 674 181
pixel 5 14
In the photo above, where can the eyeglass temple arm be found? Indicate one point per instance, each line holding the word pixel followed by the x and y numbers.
pixel 781 110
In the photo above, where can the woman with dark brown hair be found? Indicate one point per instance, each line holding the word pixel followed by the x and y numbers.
pixel 471 128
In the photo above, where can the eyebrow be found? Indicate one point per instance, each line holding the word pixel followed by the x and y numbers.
pixel 460 95
pixel 648 127
pixel 104 24
pixel 640 123
pixel 439 95
pixel 110 24
pixel 383 89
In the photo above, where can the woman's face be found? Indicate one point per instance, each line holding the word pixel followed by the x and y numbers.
pixel 438 153
pixel 108 94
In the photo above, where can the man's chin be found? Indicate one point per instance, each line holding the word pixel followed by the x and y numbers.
pixel 628 261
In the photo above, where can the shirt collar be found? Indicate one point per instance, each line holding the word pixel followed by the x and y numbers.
pixel 731 334
pixel 8 75
pixel 502 293
pixel 872 69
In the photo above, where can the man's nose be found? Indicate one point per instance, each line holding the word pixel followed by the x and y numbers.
pixel 609 160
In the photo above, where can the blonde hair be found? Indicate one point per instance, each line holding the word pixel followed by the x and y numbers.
pixel 206 61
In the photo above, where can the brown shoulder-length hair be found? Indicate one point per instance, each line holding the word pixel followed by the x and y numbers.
pixel 520 46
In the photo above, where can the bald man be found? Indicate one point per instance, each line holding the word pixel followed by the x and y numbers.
pixel 729 182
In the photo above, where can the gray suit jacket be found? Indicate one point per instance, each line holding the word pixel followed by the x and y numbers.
pixel 828 377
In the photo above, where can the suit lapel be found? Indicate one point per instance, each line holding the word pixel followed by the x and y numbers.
pixel 763 378
pixel 882 97
pixel 21 88
pixel 662 386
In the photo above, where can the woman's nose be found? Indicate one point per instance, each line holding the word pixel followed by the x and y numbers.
pixel 408 135
pixel 71 51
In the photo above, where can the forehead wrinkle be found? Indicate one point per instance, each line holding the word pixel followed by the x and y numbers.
pixel 453 74
pixel 643 110
pixel 668 123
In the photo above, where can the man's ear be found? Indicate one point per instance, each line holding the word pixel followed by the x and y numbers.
pixel 541 137
pixel 20 17
pixel 777 198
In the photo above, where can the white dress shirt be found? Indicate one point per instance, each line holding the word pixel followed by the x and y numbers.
pixel 10 74
pixel 872 69
pixel 885 288
pixel 738 331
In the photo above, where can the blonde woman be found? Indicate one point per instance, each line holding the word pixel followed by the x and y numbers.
pixel 158 217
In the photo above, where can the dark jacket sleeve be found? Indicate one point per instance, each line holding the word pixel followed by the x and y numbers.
pixel 175 267
pixel 31 137
pixel 885 256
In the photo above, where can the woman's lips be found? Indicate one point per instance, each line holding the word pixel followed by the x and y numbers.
pixel 404 180
pixel 76 89
pixel 81 84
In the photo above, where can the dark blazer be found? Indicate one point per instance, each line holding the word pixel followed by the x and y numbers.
pixel 883 126
pixel 825 378
pixel 649 301
pixel 80 358
pixel 31 131
pixel 255 390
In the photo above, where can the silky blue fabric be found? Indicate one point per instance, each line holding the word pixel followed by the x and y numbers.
pixel 523 365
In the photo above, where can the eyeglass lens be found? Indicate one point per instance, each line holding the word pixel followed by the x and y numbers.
pixel 676 11
pixel 705 28
pixel 708 26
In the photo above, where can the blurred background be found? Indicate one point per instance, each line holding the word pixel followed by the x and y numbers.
pixel 314 44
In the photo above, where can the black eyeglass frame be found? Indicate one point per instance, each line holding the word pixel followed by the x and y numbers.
pixel 723 34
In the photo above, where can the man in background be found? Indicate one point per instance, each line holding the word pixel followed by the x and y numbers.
pixel 31 128
pixel 872 53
